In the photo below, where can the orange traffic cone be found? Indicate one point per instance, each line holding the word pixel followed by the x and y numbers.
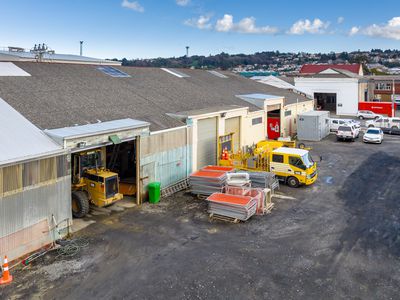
pixel 7 278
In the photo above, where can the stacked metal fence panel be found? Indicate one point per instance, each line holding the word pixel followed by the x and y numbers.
pixel 263 180
pixel 232 206
pixel 207 182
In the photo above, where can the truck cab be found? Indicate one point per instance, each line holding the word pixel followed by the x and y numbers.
pixel 294 166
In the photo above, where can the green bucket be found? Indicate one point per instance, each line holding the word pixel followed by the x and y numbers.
pixel 154 192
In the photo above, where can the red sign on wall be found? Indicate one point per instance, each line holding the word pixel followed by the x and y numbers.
pixel 382 108
pixel 273 128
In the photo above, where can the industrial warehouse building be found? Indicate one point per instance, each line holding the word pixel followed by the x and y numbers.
pixel 336 90
pixel 182 112
pixel 35 186
pixel 149 124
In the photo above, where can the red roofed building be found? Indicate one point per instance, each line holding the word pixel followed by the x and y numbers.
pixel 314 69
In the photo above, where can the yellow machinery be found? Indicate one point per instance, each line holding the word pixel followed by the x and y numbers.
pixel 290 164
pixel 92 183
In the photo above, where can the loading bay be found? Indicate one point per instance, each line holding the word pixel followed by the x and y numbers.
pixel 339 238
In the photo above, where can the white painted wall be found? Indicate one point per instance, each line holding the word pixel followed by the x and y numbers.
pixel 346 89
pixel 290 121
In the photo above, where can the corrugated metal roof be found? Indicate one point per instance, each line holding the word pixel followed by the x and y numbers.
pixel 20 139
pixel 9 69
pixel 97 128
pixel 59 57
pixel 259 96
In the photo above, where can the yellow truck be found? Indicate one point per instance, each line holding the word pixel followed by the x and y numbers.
pixel 292 165
pixel 92 183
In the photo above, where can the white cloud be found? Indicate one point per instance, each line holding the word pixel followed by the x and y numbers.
pixel 340 20
pixel 306 26
pixel 134 5
pixel 246 25
pixel 182 2
pixel 390 30
pixel 201 22
pixel 354 30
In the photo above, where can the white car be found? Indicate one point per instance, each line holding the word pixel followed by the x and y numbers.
pixel 335 123
pixel 367 114
pixel 347 132
pixel 384 122
pixel 373 135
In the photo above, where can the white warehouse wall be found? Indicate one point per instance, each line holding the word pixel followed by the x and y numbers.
pixel 346 89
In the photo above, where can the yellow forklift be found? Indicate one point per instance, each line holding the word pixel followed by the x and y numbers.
pixel 92 183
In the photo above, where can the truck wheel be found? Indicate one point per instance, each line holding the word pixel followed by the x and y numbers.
pixel 361 117
pixel 395 127
pixel 80 204
pixel 370 126
pixel 292 182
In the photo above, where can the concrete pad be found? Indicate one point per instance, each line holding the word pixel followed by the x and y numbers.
pixel 100 209
pixel 115 207
pixel 79 224
pixel 126 203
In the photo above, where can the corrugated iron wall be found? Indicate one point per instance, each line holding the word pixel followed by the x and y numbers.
pixel 166 157
pixel 22 212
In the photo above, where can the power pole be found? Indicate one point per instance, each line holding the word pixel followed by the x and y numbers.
pixel 393 96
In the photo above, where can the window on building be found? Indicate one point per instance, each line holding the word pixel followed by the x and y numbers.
pixel 383 86
pixel 12 178
pixel 30 173
pixel 256 121
pixel 47 169
pixel 63 168
pixel 277 158
pixel 288 113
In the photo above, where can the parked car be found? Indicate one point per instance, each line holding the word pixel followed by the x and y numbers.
pixel 347 132
pixel 367 114
pixel 384 122
pixel 357 124
pixel 373 135
pixel 335 123
pixel 397 101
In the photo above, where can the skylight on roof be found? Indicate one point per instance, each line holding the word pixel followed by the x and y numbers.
pixel 110 71
pixel 218 74
pixel 176 73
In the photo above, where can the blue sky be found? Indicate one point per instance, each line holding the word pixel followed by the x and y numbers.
pixel 149 28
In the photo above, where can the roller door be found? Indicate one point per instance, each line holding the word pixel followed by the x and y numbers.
pixel 206 142
pixel 233 125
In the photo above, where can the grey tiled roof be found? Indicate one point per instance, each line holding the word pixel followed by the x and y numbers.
pixel 61 95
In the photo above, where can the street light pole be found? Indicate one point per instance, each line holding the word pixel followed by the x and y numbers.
pixel 393 95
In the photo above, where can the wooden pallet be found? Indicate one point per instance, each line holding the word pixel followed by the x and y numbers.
pixel 215 217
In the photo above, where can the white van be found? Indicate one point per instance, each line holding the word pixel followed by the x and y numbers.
pixel 335 123
pixel 384 122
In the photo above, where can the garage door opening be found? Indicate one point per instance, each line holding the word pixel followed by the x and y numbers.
pixel 326 101
pixel 274 124
pixel 122 159
pixel 206 142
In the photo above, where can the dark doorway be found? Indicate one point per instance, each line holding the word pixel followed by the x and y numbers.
pixel 326 101
pixel 121 158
